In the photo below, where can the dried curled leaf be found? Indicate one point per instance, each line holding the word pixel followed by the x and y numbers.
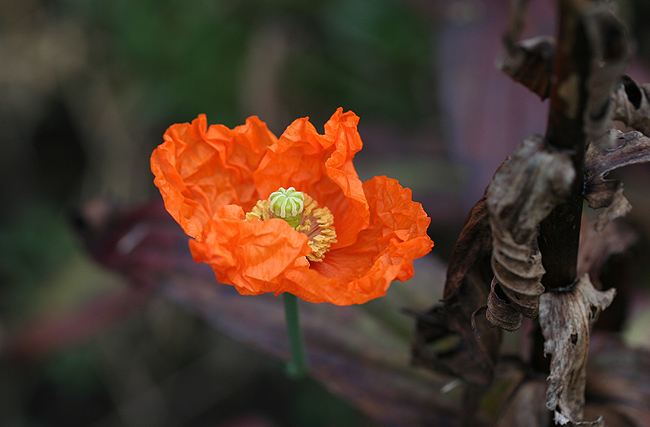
pixel 618 208
pixel 500 311
pixel 524 190
pixel 566 319
pixel 631 148
pixel 610 56
pixel 530 62
pixel 451 338
pixel 597 247
pixel 631 104
pixel 616 390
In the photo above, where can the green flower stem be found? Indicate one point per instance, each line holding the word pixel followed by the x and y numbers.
pixel 297 366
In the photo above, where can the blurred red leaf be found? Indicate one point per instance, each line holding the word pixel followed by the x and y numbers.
pixel 48 332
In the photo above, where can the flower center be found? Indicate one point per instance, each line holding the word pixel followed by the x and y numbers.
pixel 288 205
pixel 303 214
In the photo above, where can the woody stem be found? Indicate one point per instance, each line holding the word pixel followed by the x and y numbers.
pixel 560 231
pixel 297 366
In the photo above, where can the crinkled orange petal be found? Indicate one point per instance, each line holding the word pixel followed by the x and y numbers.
pixel 252 256
pixel 200 169
pixel 209 176
pixel 321 166
pixel 383 252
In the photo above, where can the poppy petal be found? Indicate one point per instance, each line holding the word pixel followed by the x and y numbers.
pixel 250 255
pixel 200 169
pixel 383 252
pixel 321 166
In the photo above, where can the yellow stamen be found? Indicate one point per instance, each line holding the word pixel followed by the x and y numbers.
pixel 261 211
pixel 317 223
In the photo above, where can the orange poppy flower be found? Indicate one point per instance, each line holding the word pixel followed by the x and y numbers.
pixel 350 239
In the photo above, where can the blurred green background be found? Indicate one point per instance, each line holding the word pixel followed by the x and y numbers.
pixel 88 87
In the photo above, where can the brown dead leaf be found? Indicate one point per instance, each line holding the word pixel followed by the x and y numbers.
pixel 608 42
pixel 631 148
pixel 530 62
pixel 499 310
pixel 631 104
pixel 446 339
pixel 524 191
pixel 617 389
pixel 566 319
pixel 596 247
pixel 609 259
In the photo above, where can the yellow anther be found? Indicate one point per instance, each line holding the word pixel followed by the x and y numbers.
pixel 315 222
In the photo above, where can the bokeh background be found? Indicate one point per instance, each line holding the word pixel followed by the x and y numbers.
pixel 88 87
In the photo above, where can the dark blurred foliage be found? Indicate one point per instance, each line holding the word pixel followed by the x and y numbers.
pixel 87 89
